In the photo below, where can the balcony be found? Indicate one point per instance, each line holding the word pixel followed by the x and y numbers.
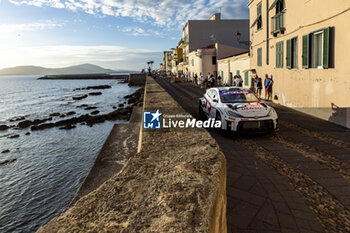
pixel 277 24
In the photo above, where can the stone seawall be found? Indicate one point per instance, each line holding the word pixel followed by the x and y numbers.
pixel 175 183
pixel 137 79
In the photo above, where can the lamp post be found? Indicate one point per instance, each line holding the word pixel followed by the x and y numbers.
pixel 238 37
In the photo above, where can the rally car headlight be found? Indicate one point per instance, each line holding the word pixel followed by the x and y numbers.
pixel 232 114
pixel 272 112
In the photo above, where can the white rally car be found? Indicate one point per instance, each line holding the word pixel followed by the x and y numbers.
pixel 239 109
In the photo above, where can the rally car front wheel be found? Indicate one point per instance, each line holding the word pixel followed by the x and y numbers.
pixel 220 130
pixel 200 111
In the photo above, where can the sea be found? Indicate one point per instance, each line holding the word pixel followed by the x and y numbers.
pixel 50 164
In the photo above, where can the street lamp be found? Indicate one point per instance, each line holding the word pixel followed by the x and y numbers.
pixel 238 37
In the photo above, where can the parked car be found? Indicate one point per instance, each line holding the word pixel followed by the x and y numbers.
pixel 238 109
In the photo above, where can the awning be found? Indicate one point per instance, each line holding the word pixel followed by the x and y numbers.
pixel 273 5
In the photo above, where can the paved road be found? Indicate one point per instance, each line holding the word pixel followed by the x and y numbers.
pixel 296 180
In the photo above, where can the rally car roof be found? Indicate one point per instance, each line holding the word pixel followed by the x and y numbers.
pixel 221 89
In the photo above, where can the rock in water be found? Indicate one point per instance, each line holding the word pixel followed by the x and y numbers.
pixel 24 124
pixel 95 93
pixel 5 151
pixel 13 136
pixel 28 133
pixel 90 108
pixel 55 114
pixel 70 113
pixel 18 119
pixel 4 127
pixel 68 127
pixel 7 161
pixel 93 87
pixel 79 97
pixel 82 106
pixel 95 112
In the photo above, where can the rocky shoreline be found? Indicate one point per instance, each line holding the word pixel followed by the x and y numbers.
pixel 122 112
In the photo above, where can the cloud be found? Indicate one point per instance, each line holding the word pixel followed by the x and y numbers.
pixel 167 14
pixel 114 57
pixel 137 31
pixel 30 26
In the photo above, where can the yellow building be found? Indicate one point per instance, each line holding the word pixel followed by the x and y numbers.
pixel 304 46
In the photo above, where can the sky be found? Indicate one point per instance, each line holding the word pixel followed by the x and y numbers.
pixel 114 34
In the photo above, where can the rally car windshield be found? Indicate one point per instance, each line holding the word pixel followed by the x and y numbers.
pixel 238 96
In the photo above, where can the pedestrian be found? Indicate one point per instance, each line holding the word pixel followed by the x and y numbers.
pixel 212 81
pixel 219 80
pixel 255 83
pixel 196 79
pixel 234 83
pixel 206 82
pixel 201 79
pixel 268 86
pixel 259 87
pixel 239 81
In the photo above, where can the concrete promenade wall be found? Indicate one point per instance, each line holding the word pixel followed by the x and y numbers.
pixel 175 183
pixel 137 79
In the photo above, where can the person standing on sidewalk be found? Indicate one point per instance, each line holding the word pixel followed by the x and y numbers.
pixel 268 86
pixel 201 80
pixel 259 87
pixel 219 80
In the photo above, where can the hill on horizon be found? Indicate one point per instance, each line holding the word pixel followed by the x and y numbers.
pixel 77 69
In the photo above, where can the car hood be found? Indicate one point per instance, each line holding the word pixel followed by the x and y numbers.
pixel 255 109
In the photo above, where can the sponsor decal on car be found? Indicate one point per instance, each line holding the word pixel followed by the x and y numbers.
pixel 152 120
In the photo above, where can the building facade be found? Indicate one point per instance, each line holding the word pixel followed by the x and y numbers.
pixel 198 34
pixel 167 61
pixel 304 46
pixel 238 64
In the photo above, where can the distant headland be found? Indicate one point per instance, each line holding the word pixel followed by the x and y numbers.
pixel 70 70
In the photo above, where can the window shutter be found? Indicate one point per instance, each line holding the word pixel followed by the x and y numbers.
pixel 289 54
pixel 238 72
pixel 246 78
pixel 277 52
pixel 305 55
pixel 281 56
pixel 259 57
pixel 254 22
pixel 326 48
pixel 273 5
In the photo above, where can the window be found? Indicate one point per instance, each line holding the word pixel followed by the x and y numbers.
pixel 292 53
pixel 259 56
pixel 316 49
pixel 214 95
pixel 192 62
pixel 222 74
pixel 238 72
pixel 213 60
pixel 279 6
pixel 246 78
pixel 279 54
pixel 258 17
